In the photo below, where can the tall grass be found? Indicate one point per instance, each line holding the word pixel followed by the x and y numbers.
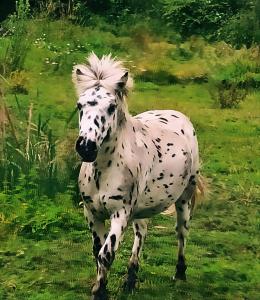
pixel 28 157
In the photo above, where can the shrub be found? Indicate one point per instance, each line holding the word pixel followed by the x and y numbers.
pixel 244 27
pixel 239 30
pixel 18 82
pixel 181 53
pixel 235 22
pixel 230 95
pixel 229 83
pixel 197 17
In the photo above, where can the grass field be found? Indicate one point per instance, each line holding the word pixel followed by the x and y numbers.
pixel 45 248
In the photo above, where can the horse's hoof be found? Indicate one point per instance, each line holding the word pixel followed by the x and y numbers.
pixel 129 285
pixel 179 276
pixel 99 291
pixel 130 282
pixel 100 296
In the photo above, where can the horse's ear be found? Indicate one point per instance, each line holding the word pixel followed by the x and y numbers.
pixel 78 76
pixel 122 82
pixel 77 72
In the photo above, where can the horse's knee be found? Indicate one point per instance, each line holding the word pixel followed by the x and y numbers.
pixel 106 254
pixel 105 260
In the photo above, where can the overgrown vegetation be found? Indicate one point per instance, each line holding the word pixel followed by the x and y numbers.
pixel 17 45
pixel 43 252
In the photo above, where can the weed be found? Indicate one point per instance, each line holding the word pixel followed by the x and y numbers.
pixel 18 82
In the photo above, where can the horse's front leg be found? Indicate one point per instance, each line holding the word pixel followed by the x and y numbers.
pixel 98 231
pixel 140 231
pixel 106 254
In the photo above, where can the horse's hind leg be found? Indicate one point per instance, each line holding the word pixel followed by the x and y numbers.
pixel 140 231
pixel 183 208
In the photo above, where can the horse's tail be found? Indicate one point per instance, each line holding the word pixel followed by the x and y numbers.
pixel 200 191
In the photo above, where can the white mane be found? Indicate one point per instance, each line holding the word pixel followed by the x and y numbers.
pixel 106 71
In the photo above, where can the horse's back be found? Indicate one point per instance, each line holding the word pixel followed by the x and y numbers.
pixel 171 125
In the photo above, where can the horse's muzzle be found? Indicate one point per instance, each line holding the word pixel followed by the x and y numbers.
pixel 87 149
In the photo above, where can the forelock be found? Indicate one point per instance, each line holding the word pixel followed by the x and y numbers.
pixel 106 71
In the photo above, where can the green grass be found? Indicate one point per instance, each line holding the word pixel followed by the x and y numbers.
pixel 45 248
pixel 222 250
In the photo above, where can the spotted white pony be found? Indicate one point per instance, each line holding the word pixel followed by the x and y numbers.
pixel 133 167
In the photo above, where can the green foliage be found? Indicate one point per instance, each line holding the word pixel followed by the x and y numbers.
pixel 203 17
pixel 29 160
pixel 46 251
pixel 229 95
pixel 55 8
pixel 243 28
pixel 231 82
pixel 38 216
pixel 121 9
pixel 236 22
pixel 22 9
pixel 49 217
pixel 17 47
pixel 18 82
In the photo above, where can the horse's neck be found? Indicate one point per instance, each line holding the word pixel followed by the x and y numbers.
pixel 114 146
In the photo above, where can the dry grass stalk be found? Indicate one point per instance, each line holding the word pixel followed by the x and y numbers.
pixel 29 131
pixel 11 125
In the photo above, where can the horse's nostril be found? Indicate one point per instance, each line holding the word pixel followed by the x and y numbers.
pixel 80 139
pixel 84 146
pixel 80 143
pixel 91 146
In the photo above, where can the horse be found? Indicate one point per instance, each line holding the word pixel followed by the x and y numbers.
pixel 132 167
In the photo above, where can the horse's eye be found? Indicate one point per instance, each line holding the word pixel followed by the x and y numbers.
pixel 79 105
pixel 111 109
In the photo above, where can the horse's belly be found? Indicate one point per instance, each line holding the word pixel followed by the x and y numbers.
pixel 156 200
pixel 147 212
pixel 146 209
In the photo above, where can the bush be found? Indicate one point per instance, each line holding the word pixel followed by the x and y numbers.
pixel 18 83
pixel 230 95
pixel 197 17
pixel 235 22
pixel 230 83
pixel 239 30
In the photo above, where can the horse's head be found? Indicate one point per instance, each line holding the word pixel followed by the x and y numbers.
pixel 99 114
pixel 101 103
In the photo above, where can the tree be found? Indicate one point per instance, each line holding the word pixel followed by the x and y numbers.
pixel 207 17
